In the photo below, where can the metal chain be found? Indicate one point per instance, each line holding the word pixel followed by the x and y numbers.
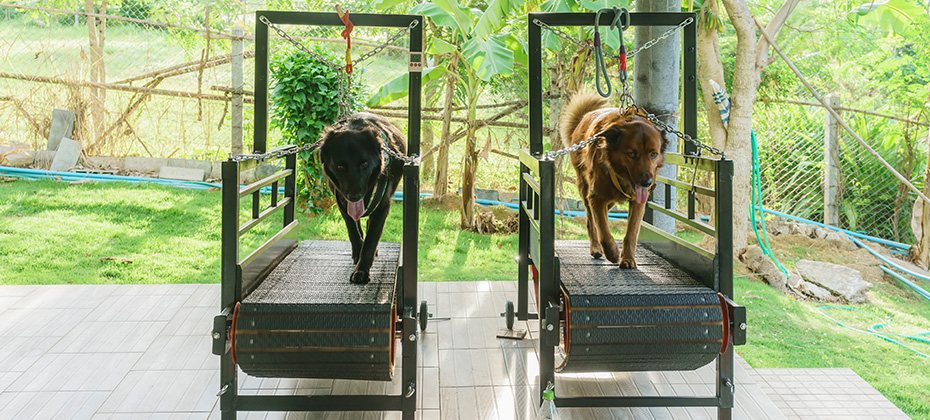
pixel 668 128
pixel 401 32
pixel 409 160
pixel 654 41
pixel 581 44
pixel 573 148
pixel 278 153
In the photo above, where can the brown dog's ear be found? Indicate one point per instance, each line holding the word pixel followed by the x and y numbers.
pixel 611 137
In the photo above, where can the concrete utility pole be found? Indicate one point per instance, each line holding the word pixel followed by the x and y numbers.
pixel 831 157
pixel 656 87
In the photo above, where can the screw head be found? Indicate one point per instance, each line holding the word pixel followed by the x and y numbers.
pixel 413 337
pixel 550 327
pixel 742 326
pixel 216 335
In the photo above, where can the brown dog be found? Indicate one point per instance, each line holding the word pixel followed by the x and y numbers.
pixel 620 166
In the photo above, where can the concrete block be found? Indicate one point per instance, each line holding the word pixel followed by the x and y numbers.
pixel 183 174
pixel 42 159
pixel 21 159
pixel 143 164
pixel 103 162
pixel 216 171
pixel 62 126
pixel 67 155
pixel 203 165
pixel 483 194
pixel 507 197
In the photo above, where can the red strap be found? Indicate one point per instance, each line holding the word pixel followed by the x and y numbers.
pixel 347 34
pixel 623 62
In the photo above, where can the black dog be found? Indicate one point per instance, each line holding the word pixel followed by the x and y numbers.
pixel 363 177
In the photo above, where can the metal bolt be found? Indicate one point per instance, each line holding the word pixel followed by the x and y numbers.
pixel 742 326
pixel 223 390
pixel 692 77
pixel 413 337
pixel 410 390
pixel 550 327
pixel 216 335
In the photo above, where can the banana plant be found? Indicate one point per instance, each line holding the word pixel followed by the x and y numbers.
pixel 475 47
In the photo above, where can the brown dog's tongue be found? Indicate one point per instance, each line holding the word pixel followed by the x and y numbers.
pixel 642 194
pixel 356 209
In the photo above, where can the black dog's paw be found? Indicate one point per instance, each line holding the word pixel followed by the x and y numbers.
pixel 360 277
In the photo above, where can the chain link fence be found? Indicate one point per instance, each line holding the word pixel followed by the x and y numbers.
pixel 869 198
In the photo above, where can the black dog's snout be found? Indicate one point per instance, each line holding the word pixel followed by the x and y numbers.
pixel 355 197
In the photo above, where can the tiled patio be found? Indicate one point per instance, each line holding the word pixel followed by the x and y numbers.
pixel 143 352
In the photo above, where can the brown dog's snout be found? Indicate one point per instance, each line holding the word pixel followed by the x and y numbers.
pixel 645 180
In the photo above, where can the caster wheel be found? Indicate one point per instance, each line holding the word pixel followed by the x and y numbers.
pixel 509 315
pixel 424 315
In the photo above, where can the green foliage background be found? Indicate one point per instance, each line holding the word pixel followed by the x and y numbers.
pixel 304 100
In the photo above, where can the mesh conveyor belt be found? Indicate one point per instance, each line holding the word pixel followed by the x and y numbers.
pixel 654 317
pixel 306 320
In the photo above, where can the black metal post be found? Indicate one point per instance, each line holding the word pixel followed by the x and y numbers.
pixel 523 254
pixel 260 120
pixel 689 80
pixel 726 382
pixel 229 282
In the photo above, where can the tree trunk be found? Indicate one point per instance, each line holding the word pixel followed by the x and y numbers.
pixel 440 184
pixel 710 68
pixel 745 81
pixel 471 157
pixel 751 59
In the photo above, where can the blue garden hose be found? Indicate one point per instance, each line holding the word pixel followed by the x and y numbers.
pixel 757 202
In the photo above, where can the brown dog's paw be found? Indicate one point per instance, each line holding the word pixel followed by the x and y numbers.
pixel 627 263
pixel 596 250
pixel 612 252
pixel 360 277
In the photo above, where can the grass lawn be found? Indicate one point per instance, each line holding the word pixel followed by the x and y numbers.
pixel 56 233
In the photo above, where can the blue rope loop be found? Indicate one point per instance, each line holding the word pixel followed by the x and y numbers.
pixel 620 22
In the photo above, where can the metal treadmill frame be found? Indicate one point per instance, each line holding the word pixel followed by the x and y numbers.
pixel 241 276
pixel 537 223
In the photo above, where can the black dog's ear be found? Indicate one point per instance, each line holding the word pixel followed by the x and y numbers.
pixel 611 136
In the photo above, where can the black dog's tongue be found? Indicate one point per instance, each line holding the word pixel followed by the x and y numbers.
pixel 356 209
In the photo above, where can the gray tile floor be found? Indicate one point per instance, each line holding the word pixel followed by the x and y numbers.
pixel 143 352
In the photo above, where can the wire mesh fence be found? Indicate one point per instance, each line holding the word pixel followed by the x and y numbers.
pixel 869 198
pixel 137 87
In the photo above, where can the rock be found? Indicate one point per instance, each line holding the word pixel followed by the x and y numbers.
pixel 14 147
pixel 802 229
pixel 840 280
pixel 841 240
pixel 817 292
pixel 21 159
pixel 758 262
pixel 776 226
pixel 795 281
pixel 67 155
pixel 820 233
pixel 183 174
